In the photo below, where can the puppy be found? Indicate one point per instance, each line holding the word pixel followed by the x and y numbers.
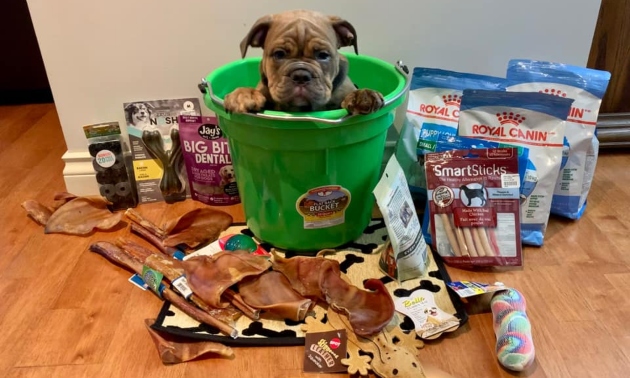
pixel 474 193
pixel 227 175
pixel 138 114
pixel 301 68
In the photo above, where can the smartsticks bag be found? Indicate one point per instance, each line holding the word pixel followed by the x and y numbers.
pixel 587 87
pixel 474 206
pixel 446 143
pixel 433 110
pixel 529 119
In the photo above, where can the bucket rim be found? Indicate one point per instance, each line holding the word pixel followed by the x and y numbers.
pixel 332 117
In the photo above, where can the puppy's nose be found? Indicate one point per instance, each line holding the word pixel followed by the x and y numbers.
pixel 301 76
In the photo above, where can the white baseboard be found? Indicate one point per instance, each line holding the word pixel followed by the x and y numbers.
pixel 79 174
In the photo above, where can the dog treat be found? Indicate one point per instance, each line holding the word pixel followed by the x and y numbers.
pixel 587 87
pixel 536 121
pixel 433 110
pixel 446 142
pixel 158 163
pixel 208 161
pixel 120 257
pixel 409 249
pixel 471 191
pixel 113 176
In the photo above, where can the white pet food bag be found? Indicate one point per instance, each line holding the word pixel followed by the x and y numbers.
pixel 527 119
pixel 587 87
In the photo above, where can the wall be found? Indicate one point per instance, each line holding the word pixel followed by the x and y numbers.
pixel 101 54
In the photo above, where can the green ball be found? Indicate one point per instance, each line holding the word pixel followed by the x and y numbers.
pixel 241 242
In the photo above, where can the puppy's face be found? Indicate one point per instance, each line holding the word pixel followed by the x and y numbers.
pixel 301 65
pixel 139 112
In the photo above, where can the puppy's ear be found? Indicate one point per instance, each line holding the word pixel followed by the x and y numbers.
pixel 346 35
pixel 257 34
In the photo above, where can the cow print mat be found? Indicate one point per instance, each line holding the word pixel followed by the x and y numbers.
pixel 359 261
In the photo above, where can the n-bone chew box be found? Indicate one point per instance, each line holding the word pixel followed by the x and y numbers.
pixel 587 87
pixel 433 110
pixel 474 206
pixel 524 119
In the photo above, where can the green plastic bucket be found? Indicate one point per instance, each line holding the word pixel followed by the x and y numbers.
pixel 306 179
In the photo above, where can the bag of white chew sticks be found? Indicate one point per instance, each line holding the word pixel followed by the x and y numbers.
pixel 533 120
pixel 473 198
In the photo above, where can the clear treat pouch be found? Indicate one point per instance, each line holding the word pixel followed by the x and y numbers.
pixel 208 161
pixel 405 255
pixel 113 174
pixel 587 87
pixel 433 110
pixel 474 206
pixel 533 120
pixel 452 142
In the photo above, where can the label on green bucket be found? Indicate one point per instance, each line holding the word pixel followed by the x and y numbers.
pixel 324 206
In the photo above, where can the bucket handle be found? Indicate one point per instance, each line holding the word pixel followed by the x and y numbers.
pixel 206 88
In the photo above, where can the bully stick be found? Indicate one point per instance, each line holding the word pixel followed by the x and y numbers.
pixel 237 301
pixel 118 256
pixel 135 217
pixel 167 266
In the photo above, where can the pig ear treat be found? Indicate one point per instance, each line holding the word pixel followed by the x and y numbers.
pixel 319 277
pixel 174 351
pixel 304 273
pixel 196 227
pixel 272 292
pixel 368 311
pixel 210 276
pixel 81 216
pixel 38 212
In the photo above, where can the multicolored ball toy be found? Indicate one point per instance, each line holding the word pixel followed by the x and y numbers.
pixel 515 346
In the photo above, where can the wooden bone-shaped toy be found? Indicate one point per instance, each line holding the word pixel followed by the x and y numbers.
pixel 389 360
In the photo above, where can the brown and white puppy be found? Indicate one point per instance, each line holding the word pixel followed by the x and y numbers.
pixel 301 68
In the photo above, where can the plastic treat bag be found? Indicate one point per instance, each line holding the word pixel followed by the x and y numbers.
pixel 208 161
pixel 432 110
pixel 453 142
pixel 529 119
pixel 474 206
pixel 587 87
pixel 407 256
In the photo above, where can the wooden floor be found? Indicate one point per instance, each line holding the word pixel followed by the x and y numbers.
pixel 66 312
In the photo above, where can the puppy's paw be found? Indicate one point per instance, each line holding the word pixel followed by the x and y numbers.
pixel 363 101
pixel 244 100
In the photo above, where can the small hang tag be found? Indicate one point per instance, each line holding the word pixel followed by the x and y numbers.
pixel 466 289
pixel 138 281
pixel 153 279
pixel 181 284
pixel 430 321
pixel 323 351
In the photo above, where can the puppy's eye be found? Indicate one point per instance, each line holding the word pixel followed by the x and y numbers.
pixel 322 55
pixel 279 54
